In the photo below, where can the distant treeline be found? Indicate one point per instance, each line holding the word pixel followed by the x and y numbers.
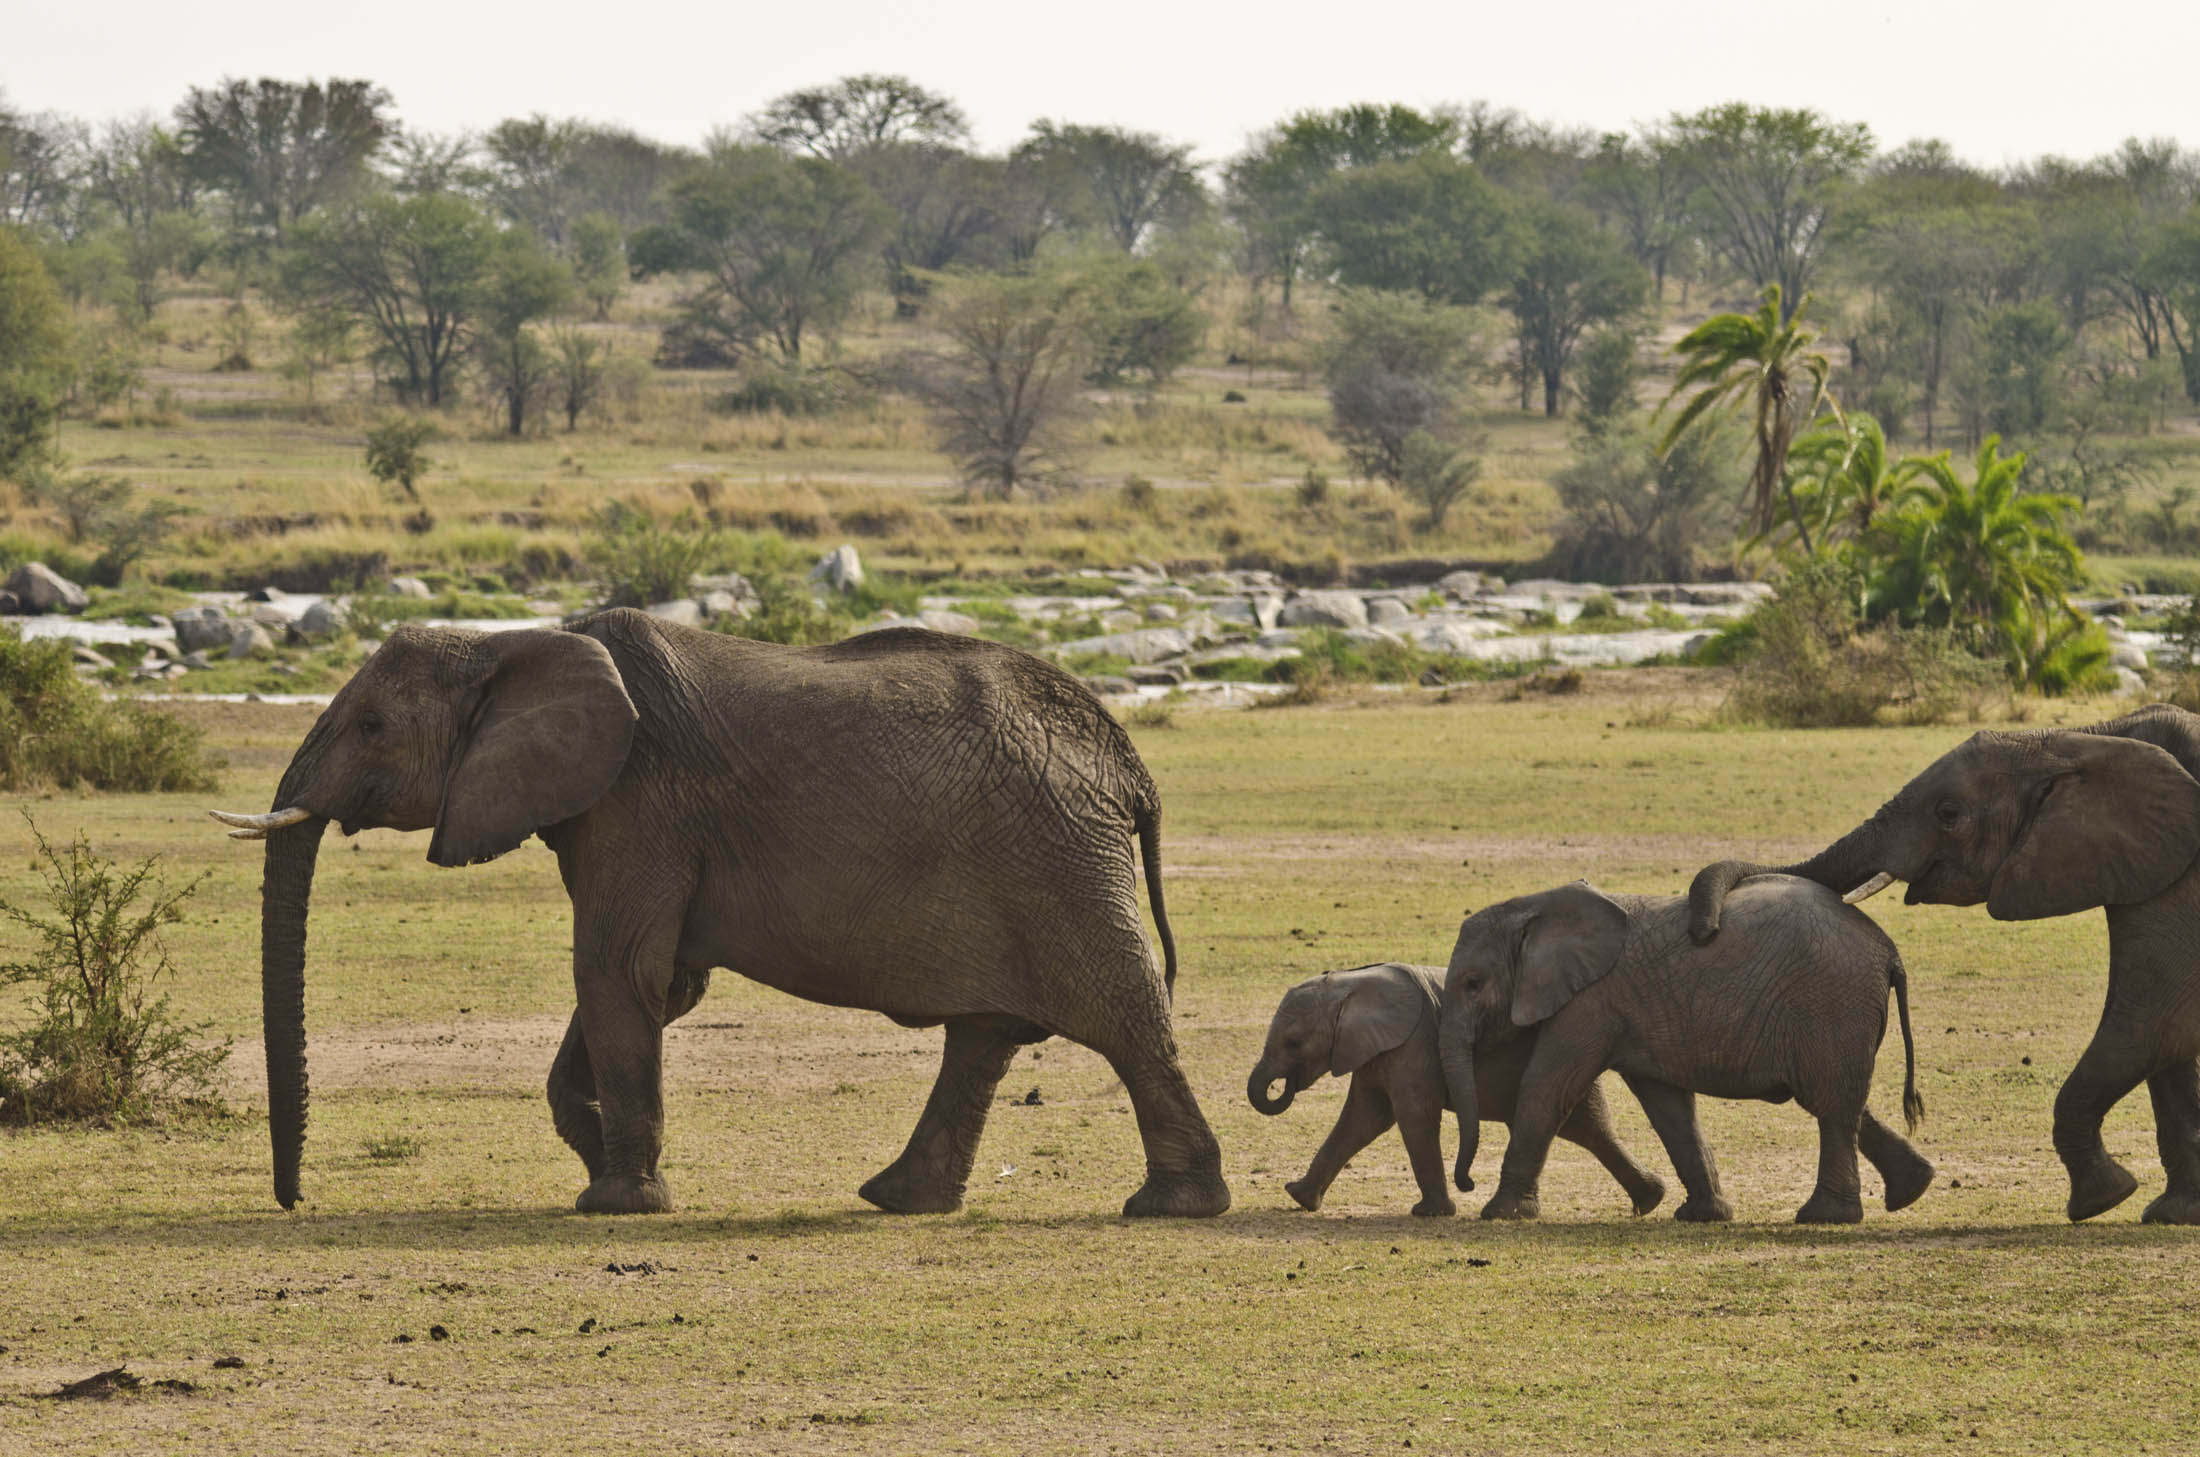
pixel 2003 301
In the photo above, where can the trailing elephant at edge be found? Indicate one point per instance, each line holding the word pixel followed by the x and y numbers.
pixel 1377 1024
pixel 933 827
pixel 1791 1003
pixel 2050 822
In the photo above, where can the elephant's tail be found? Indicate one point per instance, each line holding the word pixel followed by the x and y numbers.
pixel 1913 1104
pixel 1148 815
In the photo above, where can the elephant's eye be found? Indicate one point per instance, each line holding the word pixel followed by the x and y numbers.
pixel 370 725
pixel 1948 812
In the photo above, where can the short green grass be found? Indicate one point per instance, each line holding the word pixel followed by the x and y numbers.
pixel 776 1313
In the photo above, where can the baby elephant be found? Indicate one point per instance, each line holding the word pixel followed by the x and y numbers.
pixel 1379 1023
pixel 1794 1008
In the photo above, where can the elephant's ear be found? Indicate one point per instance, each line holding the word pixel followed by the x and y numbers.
pixel 1381 1009
pixel 1574 935
pixel 2111 821
pixel 548 733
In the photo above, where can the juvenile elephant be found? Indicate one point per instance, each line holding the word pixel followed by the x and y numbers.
pixel 2050 822
pixel 933 827
pixel 1378 1023
pixel 1791 1002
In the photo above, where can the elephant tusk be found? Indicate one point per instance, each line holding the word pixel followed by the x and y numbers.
pixel 1868 889
pixel 255 827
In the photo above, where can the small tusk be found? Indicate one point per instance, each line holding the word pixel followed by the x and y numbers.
pixel 1868 889
pixel 255 827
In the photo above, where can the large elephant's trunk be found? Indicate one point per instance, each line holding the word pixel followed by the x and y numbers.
pixel 285 888
pixel 1855 862
pixel 1455 1039
pixel 1257 1090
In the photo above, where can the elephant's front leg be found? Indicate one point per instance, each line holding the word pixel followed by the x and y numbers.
pixel 1553 1087
pixel 1421 1125
pixel 573 1107
pixel 621 978
pixel 2112 1065
pixel 1364 1118
pixel 934 1169
pixel 2176 1094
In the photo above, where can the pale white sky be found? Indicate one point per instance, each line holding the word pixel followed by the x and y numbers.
pixel 2002 82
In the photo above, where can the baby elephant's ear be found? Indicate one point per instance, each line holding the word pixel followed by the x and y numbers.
pixel 1574 935
pixel 1381 1009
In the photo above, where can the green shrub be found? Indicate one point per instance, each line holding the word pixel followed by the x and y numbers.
pixel 1810 664
pixel 56 729
pixel 100 1046
pixel 640 560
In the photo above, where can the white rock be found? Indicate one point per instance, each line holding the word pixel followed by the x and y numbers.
pixel 410 587
pixel 1323 609
pixel 939 620
pixel 2128 655
pixel 684 611
pixel 39 588
pixel 323 619
pixel 840 569
pixel 200 628
pixel 1149 645
pixel 249 640
pixel 1387 612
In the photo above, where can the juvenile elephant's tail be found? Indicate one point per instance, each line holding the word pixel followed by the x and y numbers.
pixel 1149 850
pixel 1913 1105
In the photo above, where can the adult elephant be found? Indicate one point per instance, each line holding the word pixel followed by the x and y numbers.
pixel 933 827
pixel 2049 822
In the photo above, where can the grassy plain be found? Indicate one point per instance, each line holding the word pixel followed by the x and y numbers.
pixel 433 1296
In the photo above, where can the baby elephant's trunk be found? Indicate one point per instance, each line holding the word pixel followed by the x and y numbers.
pixel 1456 1042
pixel 1913 1104
pixel 1257 1091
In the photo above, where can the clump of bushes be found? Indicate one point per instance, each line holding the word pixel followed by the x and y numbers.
pixel 1806 660
pixel 56 729
pixel 640 560
pixel 101 1046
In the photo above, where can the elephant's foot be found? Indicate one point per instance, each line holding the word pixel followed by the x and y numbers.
pixel 1907 1180
pixel 1711 1209
pixel 626 1194
pixel 1304 1194
pixel 1825 1208
pixel 1512 1206
pixel 1649 1194
pixel 2175 1207
pixel 899 1190
pixel 2100 1189
pixel 1179 1196
pixel 1436 1206
pixel 1461 1179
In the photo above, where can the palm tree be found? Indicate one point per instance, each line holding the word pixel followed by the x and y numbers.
pixel 1842 479
pixel 1769 360
pixel 1983 558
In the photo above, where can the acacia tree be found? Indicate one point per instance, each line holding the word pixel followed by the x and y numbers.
pixel 532 173
pixel 279 149
pixel 1572 274
pixel 1638 183
pixel 1429 224
pixel 1268 189
pixel 1761 181
pixel 409 269
pixel 1129 181
pixel 856 113
pixel 525 282
pixel 35 350
pixel 1766 358
pixel 1007 388
pixel 781 244
pixel 1394 365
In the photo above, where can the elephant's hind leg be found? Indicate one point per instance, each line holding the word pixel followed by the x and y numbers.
pixel 1908 1173
pixel 573 1107
pixel 2176 1094
pixel 1839 1197
pixel 934 1169
pixel 1183 1161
